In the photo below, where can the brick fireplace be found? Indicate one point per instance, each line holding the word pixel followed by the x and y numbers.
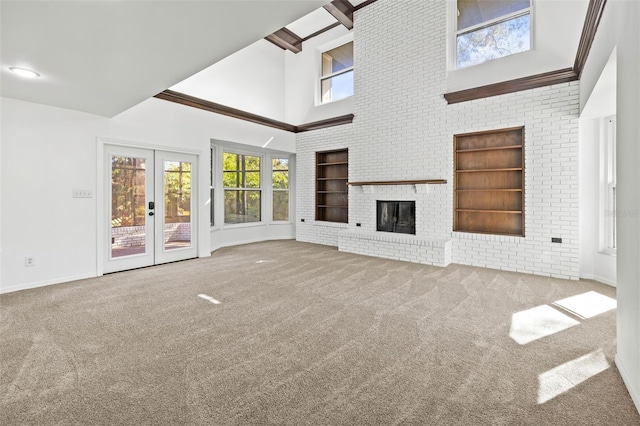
pixel 392 220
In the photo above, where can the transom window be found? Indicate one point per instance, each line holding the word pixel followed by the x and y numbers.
pixel 336 80
pixel 241 180
pixel 491 29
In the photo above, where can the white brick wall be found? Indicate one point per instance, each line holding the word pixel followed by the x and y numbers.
pixel 403 129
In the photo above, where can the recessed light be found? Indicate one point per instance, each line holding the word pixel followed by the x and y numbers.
pixel 23 72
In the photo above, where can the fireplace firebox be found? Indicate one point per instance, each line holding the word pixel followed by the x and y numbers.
pixel 396 216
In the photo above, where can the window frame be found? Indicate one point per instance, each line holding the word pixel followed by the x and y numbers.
pixel 260 188
pixel 266 156
pixel 274 189
pixel 608 169
pixel 452 40
pixel 341 41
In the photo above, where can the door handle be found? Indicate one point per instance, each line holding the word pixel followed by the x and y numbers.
pixel 151 213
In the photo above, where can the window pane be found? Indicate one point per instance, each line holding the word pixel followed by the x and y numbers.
pixel 177 205
pixel 241 206
pixel 280 205
pixel 280 164
pixel 496 41
pixel 337 59
pixel 241 171
pixel 252 180
pixel 474 12
pixel 230 162
pixel 128 209
pixel 280 180
pixel 338 87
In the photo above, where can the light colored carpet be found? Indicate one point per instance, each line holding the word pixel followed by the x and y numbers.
pixel 306 335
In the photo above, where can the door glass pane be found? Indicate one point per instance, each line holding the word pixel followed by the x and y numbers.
pixel 177 205
pixel 128 213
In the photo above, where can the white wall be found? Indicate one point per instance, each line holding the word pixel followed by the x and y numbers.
pixel 252 80
pixel 557 25
pixel 49 151
pixel 404 130
pixel 618 29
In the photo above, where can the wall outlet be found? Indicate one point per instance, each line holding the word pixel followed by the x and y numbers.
pixel 29 261
pixel 82 193
pixel 556 240
pixel 358 224
pixel 301 220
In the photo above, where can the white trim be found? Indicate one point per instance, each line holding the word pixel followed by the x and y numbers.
pixel 37 284
pixel 494 21
pixel 250 241
pixel 626 378
pixel 147 145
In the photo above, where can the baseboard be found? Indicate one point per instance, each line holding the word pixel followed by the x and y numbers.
pixel 28 286
pixel 248 241
pixel 635 393
pixel 599 279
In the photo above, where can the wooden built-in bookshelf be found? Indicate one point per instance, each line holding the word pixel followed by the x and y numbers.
pixel 332 192
pixel 489 182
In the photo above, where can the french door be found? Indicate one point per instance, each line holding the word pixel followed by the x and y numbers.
pixel 151 207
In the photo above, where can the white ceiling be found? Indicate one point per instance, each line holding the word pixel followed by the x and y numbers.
pixel 103 57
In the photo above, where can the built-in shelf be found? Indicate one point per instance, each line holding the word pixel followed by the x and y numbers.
pixel 506 169
pixel 491 148
pixel 490 190
pixel 332 195
pixel 335 163
pixel 400 182
pixel 489 182
pixel 489 211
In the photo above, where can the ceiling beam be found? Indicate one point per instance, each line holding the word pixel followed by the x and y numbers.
pixel 203 104
pixel 342 10
pixel 364 4
pixel 286 39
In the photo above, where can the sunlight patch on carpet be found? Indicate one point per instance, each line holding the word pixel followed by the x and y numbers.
pixel 587 305
pixel 209 298
pixel 536 323
pixel 562 378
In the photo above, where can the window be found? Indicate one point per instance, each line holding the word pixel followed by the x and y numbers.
pixel 242 193
pixel 336 80
pixel 608 197
pixel 491 29
pixel 489 182
pixel 280 182
pixel 211 190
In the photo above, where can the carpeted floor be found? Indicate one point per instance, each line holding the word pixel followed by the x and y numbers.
pixel 306 335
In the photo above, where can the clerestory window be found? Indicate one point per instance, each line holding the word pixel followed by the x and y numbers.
pixel 491 29
pixel 336 79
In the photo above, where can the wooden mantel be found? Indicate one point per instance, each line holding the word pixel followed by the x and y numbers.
pixel 400 182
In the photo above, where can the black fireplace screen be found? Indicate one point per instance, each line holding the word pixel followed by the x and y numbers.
pixel 397 216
